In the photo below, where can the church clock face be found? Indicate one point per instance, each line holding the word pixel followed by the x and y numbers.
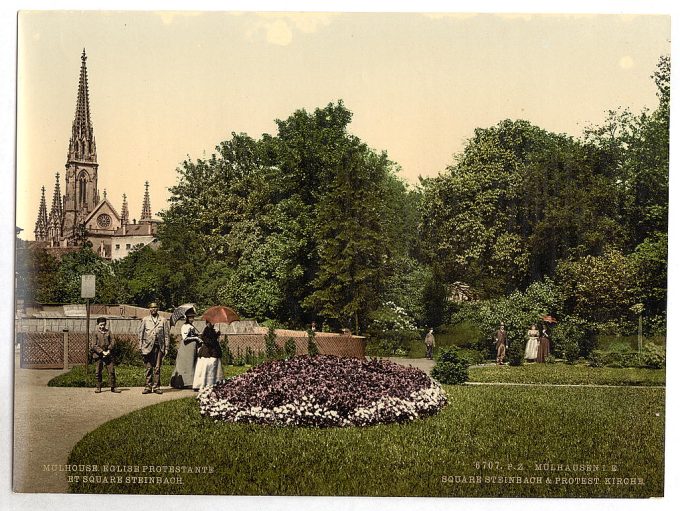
pixel 104 221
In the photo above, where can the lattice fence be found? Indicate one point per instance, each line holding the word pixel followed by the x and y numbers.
pixel 338 345
pixel 41 350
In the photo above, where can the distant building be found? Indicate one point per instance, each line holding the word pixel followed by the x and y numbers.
pixel 80 214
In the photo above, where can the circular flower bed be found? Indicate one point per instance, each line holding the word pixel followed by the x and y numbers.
pixel 324 391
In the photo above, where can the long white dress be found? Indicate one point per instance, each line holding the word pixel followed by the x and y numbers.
pixel 208 366
pixel 531 351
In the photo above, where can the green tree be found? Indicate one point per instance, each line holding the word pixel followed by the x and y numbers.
pixel 637 147
pixel 515 201
pixel 598 288
pixel 84 262
pixel 351 237
pixel 36 276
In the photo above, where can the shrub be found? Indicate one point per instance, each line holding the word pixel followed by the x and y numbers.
pixel 312 347
pixel 324 391
pixel 515 353
pixel 653 356
pixel 571 338
pixel 271 350
pixel 390 331
pixel 126 352
pixel 227 355
pixel 451 368
pixel 597 358
pixel 289 348
pixel 473 356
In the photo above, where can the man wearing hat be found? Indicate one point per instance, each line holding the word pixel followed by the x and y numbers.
pixel 154 340
pixel 501 339
pixel 101 353
pixel 429 343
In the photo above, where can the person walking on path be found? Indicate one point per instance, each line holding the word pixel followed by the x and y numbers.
pixel 501 341
pixel 101 353
pixel 531 351
pixel 429 343
pixel 154 340
pixel 209 364
pixel 185 365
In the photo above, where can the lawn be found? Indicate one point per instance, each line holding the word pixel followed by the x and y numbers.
pixel 485 431
pixel 560 373
pixel 126 376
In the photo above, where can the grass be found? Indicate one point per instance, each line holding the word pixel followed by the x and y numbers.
pixel 479 433
pixel 560 373
pixel 126 376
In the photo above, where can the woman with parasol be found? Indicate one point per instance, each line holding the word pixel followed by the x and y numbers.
pixel 185 364
pixel 544 339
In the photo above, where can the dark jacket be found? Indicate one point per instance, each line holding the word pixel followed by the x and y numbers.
pixel 102 342
pixel 211 343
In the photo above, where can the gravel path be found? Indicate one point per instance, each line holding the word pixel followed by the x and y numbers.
pixel 49 421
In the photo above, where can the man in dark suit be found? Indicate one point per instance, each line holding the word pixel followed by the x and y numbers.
pixel 101 353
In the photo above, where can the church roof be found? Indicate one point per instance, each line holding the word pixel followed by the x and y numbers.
pixel 103 204
pixel 148 228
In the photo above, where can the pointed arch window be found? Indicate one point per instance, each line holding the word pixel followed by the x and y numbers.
pixel 82 189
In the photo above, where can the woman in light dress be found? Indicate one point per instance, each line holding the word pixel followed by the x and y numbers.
pixel 185 364
pixel 531 351
pixel 209 364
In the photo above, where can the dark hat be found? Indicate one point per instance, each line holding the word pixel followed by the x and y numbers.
pixel 101 319
pixel 190 313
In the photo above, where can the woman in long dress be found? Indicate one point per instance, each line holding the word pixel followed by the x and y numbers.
pixel 543 344
pixel 209 364
pixel 185 364
pixel 531 351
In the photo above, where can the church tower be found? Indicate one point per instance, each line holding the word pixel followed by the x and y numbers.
pixel 81 195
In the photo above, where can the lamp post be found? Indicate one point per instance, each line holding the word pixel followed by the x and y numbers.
pixel 638 309
pixel 87 291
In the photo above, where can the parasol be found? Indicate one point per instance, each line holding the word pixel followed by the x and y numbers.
pixel 180 312
pixel 220 314
pixel 549 319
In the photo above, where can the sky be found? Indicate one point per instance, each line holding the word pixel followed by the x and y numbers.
pixel 165 87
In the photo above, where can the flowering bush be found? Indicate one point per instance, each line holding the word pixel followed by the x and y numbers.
pixel 390 331
pixel 324 391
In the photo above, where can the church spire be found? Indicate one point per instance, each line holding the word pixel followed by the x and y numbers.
pixel 40 230
pixel 124 213
pixel 82 145
pixel 57 207
pixel 56 213
pixel 146 206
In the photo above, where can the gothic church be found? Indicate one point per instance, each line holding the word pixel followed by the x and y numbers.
pixel 81 214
